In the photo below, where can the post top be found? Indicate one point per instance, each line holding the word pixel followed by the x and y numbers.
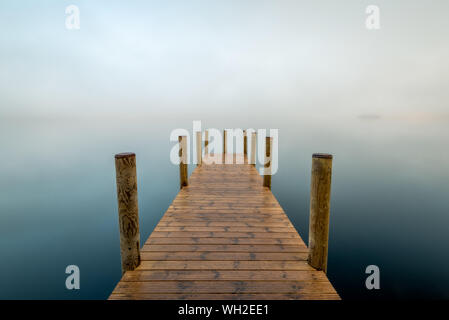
pixel 322 155
pixel 125 155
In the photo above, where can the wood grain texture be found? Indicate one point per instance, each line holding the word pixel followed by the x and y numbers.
pixel 199 151
pixel 128 211
pixel 206 142
pixel 320 193
pixel 183 172
pixel 267 165
pixel 225 248
pixel 225 145
pixel 253 148
pixel 245 144
pixel 225 265
pixel 224 287
pixel 225 275
pixel 221 256
pixel 221 296
pixel 225 236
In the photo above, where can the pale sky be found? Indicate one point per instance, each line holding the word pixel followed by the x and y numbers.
pixel 151 57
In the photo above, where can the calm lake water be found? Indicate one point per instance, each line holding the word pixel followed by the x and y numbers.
pixel 390 199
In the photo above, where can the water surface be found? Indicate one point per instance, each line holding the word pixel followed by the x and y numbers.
pixel 58 205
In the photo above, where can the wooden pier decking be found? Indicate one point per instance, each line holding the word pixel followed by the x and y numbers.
pixel 225 236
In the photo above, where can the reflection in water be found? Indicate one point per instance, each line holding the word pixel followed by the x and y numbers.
pixel 58 205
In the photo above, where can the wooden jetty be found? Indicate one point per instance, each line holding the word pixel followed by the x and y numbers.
pixel 225 236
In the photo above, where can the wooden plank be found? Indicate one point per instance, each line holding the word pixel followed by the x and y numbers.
pixel 224 265
pixel 220 296
pixel 264 230
pixel 227 208
pixel 207 199
pixel 218 275
pixel 222 241
pixel 255 221
pixel 240 216
pixel 225 248
pixel 211 211
pixel 196 223
pixel 211 234
pixel 237 256
pixel 223 287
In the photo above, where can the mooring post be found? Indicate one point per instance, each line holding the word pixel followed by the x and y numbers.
pixel 128 210
pixel 253 148
pixel 245 146
pixel 206 142
pixel 224 146
pixel 320 195
pixel 267 166
pixel 224 141
pixel 183 161
pixel 199 156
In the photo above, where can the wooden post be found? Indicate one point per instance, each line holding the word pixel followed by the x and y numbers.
pixel 199 155
pixel 253 148
pixel 128 210
pixel 206 143
pixel 320 195
pixel 267 166
pixel 245 145
pixel 224 141
pixel 183 161
pixel 224 147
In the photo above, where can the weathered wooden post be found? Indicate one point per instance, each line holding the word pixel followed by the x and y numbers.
pixel 128 210
pixel 206 142
pixel 245 146
pixel 199 156
pixel 320 195
pixel 224 141
pixel 253 148
pixel 267 166
pixel 224 146
pixel 183 161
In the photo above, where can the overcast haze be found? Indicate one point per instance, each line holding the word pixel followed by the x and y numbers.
pixel 217 57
